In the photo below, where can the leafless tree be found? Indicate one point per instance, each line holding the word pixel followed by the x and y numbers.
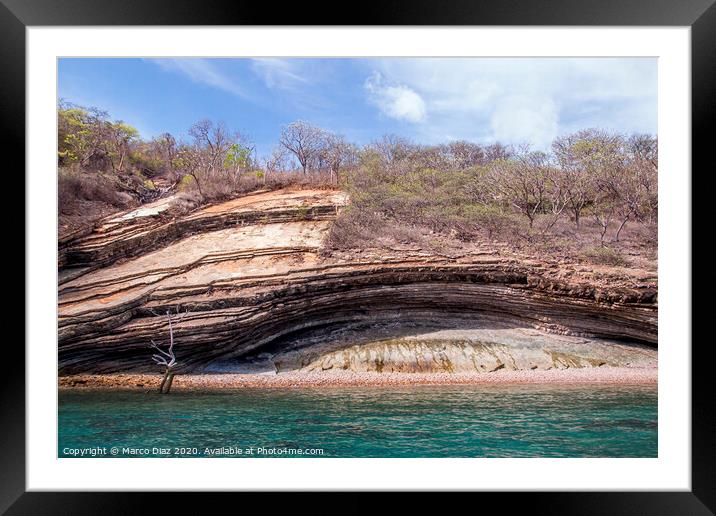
pixel 435 157
pixel 304 140
pixel 189 162
pixel 465 154
pixel 644 161
pixel 277 161
pixel 604 210
pixel 165 146
pixel 574 173
pixel 338 153
pixel 166 357
pixel 205 159
pixel 523 182
pixel 392 149
pixel 497 151
pixel 614 199
pixel 557 197
pixel 212 141
pixel 605 159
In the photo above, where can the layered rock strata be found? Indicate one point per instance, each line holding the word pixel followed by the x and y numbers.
pixel 249 276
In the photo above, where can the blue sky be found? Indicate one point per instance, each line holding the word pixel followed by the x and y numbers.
pixel 512 100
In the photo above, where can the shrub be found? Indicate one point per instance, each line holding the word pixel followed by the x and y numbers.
pixel 603 255
pixel 354 228
pixel 74 187
pixel 185 183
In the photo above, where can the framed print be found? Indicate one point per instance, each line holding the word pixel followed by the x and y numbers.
pixel 436 249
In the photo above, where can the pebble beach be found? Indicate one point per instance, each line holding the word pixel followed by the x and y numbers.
pixel 597 375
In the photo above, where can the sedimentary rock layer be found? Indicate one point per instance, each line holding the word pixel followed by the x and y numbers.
pixel 248 275
pixel 151 226
pixel 481 350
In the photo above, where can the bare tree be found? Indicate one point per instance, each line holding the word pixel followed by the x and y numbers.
pixel 644 161
pixel 465 154
pixel 604 208
pixel 392 148
pixel 166 357
pixel 572 155
pixel 215 158
pixel 304 140
pixel 523 182
pixel 338 153
pixel 431 156
pixel 213 140
pixel 627 191
pixel 646 148
pixel 277 161
pixel 616 192
pixel 497 151
pixel 615 200
pixel 165 146
pixel 189 162
pixel 557 197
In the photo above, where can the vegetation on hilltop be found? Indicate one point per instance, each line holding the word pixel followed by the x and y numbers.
pixel 592 196
pixel 578 199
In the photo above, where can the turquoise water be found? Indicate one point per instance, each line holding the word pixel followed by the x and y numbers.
pixel 425 421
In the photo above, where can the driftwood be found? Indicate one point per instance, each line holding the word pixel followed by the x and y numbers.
pixel 167 358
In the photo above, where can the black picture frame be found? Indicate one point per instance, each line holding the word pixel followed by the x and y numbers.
pixel 16 15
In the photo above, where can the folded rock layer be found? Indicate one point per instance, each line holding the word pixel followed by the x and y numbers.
pixel 248 275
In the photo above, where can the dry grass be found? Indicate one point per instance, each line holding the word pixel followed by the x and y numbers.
pixel 434 210
pixel 84 198
pixel 222 186
pixel 75 187
pixel 604 255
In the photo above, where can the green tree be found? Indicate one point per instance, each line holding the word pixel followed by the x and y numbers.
pixel 81 133
pixel 117 141
pixel 238 158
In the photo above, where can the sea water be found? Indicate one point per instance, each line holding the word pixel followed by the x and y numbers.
pixel 420 421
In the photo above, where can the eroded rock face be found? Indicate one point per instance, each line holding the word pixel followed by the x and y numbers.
pixel 250 275
pixel 464 351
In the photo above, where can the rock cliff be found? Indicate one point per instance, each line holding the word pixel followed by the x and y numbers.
pixel 251 278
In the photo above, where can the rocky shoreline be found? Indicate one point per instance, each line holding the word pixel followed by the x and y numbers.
pixel 188 382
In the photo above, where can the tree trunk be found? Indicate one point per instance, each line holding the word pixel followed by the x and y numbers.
pixel 168 385
pixel 616 237
pixel 198 186
pixel 164 381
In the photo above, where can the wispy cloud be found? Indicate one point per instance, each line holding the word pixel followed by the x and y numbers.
pixel 395 100
pixel 202 71
pixel 521 118
pixel 279 73
pixel 527 100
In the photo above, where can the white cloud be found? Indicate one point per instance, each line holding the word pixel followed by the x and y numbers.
pixel 278 73
pixel 525 119
pixel 202 71
pixel 396 101
pixel 526 99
